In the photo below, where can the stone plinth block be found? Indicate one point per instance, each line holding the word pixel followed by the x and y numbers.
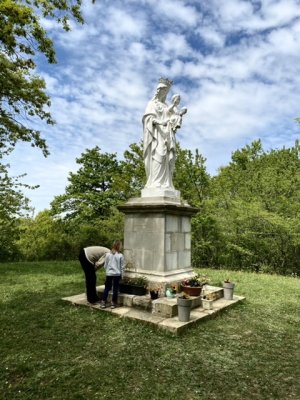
pixel 157 238
pixel 167 308
pixel 164 307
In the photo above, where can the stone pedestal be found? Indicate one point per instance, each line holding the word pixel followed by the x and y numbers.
pixel 157 238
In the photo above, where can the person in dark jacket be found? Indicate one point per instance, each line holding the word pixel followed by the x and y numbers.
pixel 91 258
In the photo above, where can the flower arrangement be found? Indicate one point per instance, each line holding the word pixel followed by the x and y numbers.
pixel 196 281
pixel 134 285
pixel 193 286
pixel 209 296
pixel 183 295
pixel 154 290
pixel 135 281
pixel 171 291
pixel 228 283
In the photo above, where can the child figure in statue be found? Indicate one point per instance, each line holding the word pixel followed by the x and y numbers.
pixel 176 114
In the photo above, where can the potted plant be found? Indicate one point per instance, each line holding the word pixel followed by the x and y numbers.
pixel 135 285
pixel 228 288
pixel 193 286
pixel 207 303
pixel 154 291
pixel 184 304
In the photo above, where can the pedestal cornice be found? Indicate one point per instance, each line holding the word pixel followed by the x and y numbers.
pixel 157 205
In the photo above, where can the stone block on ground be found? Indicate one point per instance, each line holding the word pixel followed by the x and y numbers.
pixel 165 307
pixel 142 302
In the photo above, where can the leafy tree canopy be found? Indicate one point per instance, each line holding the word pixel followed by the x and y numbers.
pixel 251 220
pixel 13 204
pixel 133 176
pixel 190 176
pixel 22 93
pixel 92 191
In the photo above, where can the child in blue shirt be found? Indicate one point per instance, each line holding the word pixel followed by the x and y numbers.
pixel 114 268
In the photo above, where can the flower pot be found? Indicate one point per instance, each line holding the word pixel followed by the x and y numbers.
pixel 228 288
pixel 132 289
pixel 207 304
pixel 184 309
pixel 124 288
pixel 154 294
pixel 192 290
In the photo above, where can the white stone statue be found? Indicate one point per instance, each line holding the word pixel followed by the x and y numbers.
pixel 160 123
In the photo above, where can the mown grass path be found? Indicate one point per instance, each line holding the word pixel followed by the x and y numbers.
pixel 52 350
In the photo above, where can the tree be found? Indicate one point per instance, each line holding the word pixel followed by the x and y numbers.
pixel 13 204
pixel 23 100
pixel 133 176
pixel 92 192
pixel 49 238
pixel 255 203
pixel 22 93
pixel 191 176
pixel 43 238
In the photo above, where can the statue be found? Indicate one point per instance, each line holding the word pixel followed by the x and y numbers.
pixel 160 123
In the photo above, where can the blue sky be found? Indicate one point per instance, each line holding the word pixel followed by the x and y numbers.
pixel 235 64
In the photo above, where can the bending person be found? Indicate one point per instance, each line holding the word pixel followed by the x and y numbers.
pixel 90 259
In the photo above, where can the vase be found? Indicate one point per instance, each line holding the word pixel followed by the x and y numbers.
pixel 191 290
pixel 169 293
pixel 184 309
pixel 228 288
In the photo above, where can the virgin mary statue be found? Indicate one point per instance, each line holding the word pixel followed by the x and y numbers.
pixel 159 140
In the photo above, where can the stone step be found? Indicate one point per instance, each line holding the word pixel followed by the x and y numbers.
pixel 164 307
pixel 171 324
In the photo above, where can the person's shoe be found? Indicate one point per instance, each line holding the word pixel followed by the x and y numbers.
pixel 102 304
pixel 94 301
pixel 113 305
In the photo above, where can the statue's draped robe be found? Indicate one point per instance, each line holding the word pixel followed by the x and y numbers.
pixel 159 146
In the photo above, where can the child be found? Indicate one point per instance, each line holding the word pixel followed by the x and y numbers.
pixel 114 267
pixel 176 115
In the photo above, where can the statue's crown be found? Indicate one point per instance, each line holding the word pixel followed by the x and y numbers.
pixel 166 82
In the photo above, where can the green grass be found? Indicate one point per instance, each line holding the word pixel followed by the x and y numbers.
pixel 52 350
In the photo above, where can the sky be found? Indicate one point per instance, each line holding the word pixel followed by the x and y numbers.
pixel 235 64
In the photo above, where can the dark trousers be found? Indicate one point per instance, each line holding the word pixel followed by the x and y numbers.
pixel 112 282
pixel 90 278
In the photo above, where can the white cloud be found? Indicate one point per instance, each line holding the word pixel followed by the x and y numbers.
pixel 174 45
pixel 177 11
pixel 211 36
pixel 119 22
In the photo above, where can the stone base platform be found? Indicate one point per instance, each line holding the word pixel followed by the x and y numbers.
pixel 161 312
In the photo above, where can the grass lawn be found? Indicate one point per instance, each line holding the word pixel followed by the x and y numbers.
pixel 52 350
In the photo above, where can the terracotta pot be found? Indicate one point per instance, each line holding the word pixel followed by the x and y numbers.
pixel 192 290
